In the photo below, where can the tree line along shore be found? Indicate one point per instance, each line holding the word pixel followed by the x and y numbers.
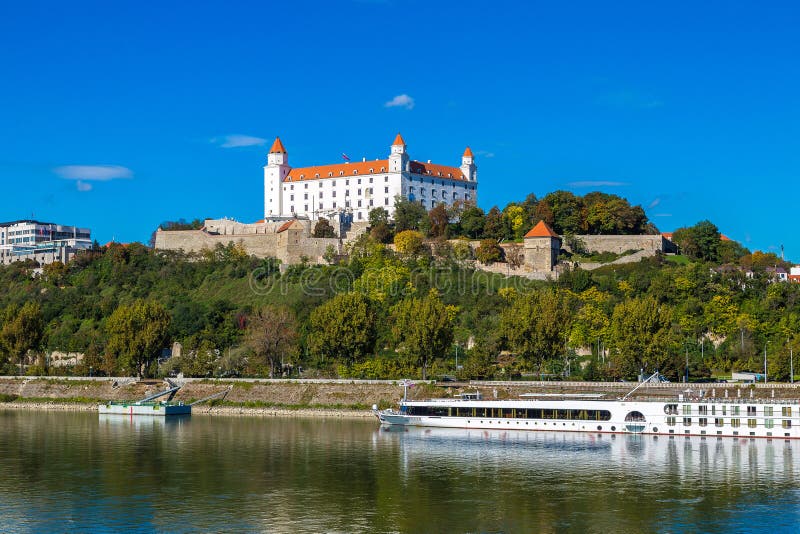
pixel 409 311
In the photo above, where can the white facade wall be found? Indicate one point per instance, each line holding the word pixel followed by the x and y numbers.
pixel 321 196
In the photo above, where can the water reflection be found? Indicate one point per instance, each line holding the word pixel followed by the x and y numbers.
pixel 78 472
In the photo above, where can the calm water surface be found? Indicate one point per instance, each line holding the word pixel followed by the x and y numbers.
pixel 78 472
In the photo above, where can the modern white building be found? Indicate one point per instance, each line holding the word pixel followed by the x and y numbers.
pixel 41 242
pixel 352 189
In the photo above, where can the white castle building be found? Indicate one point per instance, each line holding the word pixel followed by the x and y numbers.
pixel 354 188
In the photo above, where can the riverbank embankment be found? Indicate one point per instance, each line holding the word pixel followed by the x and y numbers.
pixel 333 398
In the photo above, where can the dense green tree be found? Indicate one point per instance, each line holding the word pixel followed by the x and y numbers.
pixel 343 329
pixel 409 215
pixel 137 334
pixel 641 336
pixel 378 216
pixel 423 329
pixel 536 325
pixel 323 228
pixel 22 331
pixel 473 221
pixel 700 241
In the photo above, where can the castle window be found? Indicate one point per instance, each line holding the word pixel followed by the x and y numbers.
pixel 359 203
pixel 355 171
pixel 371 203
pixel 371 171
pixel 316 175
pixel 320 205
pixel 291 187
pixel 347 192
pixel 359 181
pixel 306 186
pixel 347 182
pixel 385 201
pixel 305 196
pixel 291 197
pixel 334 194
pixel 385 178
pixel 341 173
pixel 359 192
pixel 360 215
pixel 334 205
pixel 346 203
pixel 385 189
pixel 383 169
pixel 320 194
pixel 305 208
pixel 291 209
pixel 330 174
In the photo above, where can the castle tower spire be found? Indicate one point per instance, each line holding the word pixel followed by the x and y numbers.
pixel 398 157
pixel 468 166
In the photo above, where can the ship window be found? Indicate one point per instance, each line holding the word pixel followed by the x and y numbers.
pixel 702 421
pixel 751 423
pixel 687 421
pixel 735 410
pixel 702 409
pixel 687 409
pixel 735 423
pixel 786 411
pixel 787 423
pixel 768 411
pixel 671 409
pixel 718 421
pixel 670 421
pixel 768 423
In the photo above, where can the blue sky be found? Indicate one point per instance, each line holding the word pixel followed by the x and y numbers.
pixel 120 115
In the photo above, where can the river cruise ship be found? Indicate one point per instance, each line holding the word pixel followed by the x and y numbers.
pixel 684 416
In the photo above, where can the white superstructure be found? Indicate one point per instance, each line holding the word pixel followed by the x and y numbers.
pixel 757 418
pixel 357 187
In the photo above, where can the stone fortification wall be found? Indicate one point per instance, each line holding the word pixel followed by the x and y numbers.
pixel 261 240
pixel 622 243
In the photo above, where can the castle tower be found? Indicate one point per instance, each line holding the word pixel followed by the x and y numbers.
pixel 542 245
pixel 468 166
pixel 275 172
pixel 398 158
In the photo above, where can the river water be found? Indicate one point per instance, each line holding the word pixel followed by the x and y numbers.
pixel 64 472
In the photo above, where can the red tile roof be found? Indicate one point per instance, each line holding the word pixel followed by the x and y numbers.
pixel 376 166
pixel 399 140
pixel 541 230
pixel 277 147
pixel 468 153
pixel 439 171
pixel 285 226
pixel 337 169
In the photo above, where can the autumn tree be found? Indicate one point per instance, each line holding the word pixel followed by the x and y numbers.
pixel 488 252
pixel 423 329
pixel 700 241
pixel 343 329
pixel 22 331
pixel 272 335
pixel 409 242
pixel 439 219
pixel 137 333
pixel 535 326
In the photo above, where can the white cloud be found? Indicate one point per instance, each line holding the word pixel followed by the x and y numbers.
pixel 97 173
pixel 238 140
pixel 662 215
pixel 400 101
pixel 85 174
pixel 485 153
pixel 596 183
pixel 656 201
